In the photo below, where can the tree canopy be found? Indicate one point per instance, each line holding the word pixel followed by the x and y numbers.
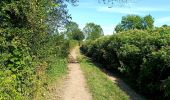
pixel 92 31
pixel 73 31
pixel 135 22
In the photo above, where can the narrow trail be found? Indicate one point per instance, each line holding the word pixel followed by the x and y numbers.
pixel 75 85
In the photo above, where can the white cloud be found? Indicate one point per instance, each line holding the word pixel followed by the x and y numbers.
pixel 132 10
pixel 152 9
pixel 116 10
pixel 162 20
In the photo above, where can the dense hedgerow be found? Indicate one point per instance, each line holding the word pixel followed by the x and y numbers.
pixel 22 73
pixel 141 55
pixel 27 41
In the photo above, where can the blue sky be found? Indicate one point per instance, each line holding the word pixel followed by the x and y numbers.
pixel 109 15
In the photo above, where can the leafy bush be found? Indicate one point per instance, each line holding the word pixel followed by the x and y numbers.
pixel 17 67
pixel 166 88
pixel 141 55
pixel 26 39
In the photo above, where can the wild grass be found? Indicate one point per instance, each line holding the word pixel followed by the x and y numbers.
pixel 53 76
pixel 100 86
pixel 56 69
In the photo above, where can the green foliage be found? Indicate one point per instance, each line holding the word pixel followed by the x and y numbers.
pixel 166 87
pixel 26 39
pixel 7 85
pixel 148 22
pixel 154 69
pixel 49 74
pixel 135 22
pixel 78 35
pixel 92 31
pixel 17 64
pixel 142 56
pixel 73 32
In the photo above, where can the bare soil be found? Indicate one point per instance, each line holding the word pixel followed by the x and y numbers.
pixel 75 84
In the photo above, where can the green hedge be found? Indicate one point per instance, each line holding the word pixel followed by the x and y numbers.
pixel 22 73
pixel 142 56
pixel 27 41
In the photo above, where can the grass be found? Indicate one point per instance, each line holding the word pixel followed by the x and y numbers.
pixel 57 69
pixel 100 86
pixel 54 74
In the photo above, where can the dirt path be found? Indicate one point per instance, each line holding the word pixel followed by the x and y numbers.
pixel 75 84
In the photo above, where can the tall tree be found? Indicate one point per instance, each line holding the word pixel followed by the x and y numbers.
pixel 92 31
pixel 73 31
pixel 148 21
pixel 78 35
pixel 135 22
pixel 132 22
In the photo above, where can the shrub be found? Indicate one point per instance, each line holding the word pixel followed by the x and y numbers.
pixel 142 55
